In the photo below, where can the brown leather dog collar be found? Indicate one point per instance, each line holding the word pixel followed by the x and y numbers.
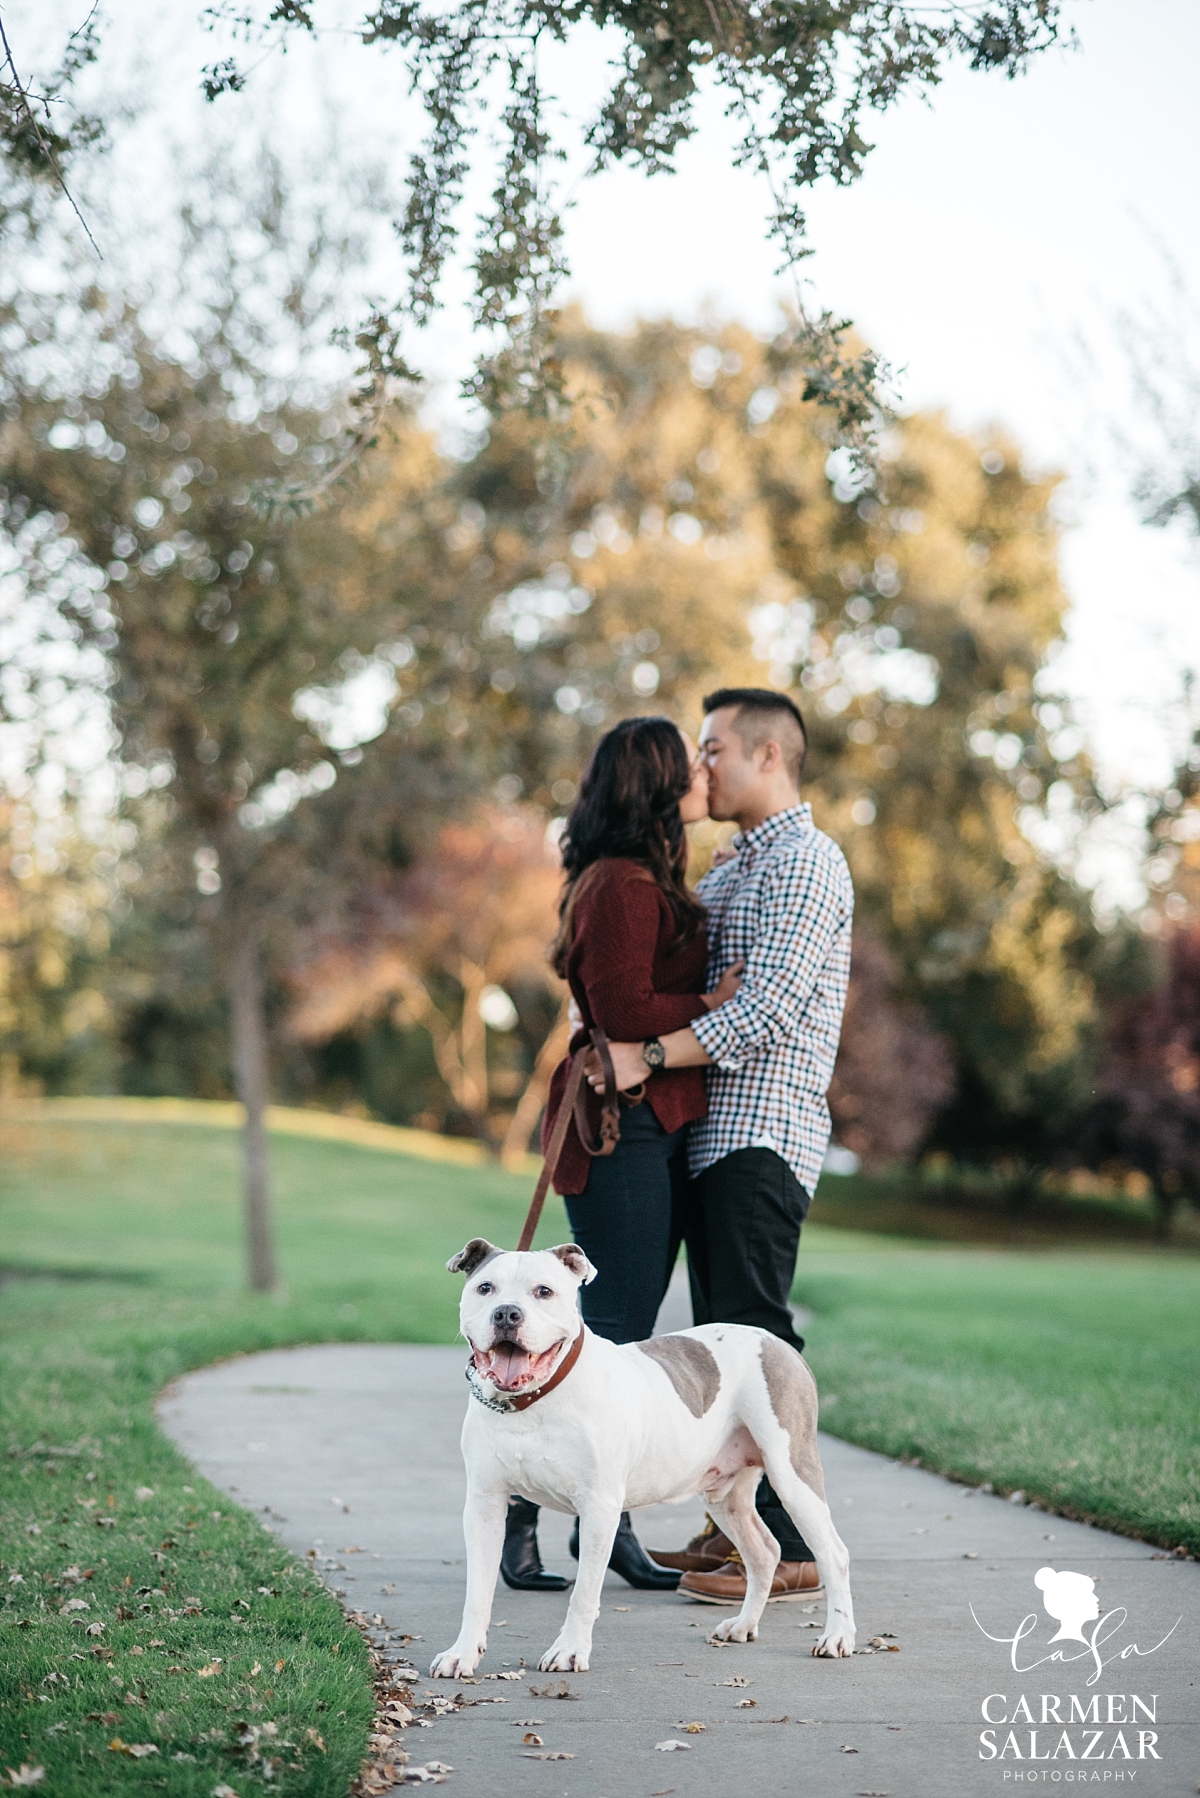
pixel 521 1401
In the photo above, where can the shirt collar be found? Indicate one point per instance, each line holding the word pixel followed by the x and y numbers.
pixel 776 825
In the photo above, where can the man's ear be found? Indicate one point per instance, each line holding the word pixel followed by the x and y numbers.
pixel 572 1256
pixel 477 1251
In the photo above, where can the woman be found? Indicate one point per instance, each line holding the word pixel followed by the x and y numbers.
pixel 632 946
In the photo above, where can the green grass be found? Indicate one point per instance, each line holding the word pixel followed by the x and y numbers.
pixel 1071 1375
pixel 127 1239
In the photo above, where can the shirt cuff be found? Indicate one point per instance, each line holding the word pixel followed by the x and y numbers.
pixel 714 1034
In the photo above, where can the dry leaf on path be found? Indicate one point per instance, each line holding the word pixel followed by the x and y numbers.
pixel 747 1704
pixel 532 1739
pixel 559 1690
pixel 739 1679
pixel 670 1747
pixel 549 1754
pixel 846 1749
pixel 694 1729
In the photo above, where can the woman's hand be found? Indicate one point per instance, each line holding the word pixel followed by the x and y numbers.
pixel 728 986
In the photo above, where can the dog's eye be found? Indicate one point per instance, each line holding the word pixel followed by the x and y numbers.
pixel 484 1287
pixel 543 1292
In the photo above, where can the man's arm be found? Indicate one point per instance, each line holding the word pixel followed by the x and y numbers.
pixel 810 903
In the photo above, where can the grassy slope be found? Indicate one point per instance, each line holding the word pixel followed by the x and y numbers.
pixel 991 1365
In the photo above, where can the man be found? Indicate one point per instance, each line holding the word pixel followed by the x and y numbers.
pixel 783 902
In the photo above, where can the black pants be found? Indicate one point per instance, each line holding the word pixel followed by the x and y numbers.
pixel 628 1221
pixel 742 1227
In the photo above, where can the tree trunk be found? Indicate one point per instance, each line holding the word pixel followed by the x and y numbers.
pixel 249 1031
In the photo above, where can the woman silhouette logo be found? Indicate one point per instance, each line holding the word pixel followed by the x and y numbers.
pixel 1070 1598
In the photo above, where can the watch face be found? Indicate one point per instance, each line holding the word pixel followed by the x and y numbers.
pixel 653 1053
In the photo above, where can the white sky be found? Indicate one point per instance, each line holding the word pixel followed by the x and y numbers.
pixel 993 225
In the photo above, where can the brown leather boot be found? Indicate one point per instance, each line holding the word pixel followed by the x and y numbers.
pixel 703 1554
pixel 727 1584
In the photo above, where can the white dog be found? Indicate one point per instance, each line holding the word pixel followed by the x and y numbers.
pixel 571 1421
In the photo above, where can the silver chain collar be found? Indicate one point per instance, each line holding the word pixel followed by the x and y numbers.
pixel 503 1405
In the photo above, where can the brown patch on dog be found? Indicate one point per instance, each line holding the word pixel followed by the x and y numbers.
pixel 477 1251
pixel 793 1394
pixel 691 1368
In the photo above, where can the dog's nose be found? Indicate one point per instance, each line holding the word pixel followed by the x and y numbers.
pixel 507 1317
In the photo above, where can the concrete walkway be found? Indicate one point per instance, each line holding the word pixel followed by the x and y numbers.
pixel 353 1450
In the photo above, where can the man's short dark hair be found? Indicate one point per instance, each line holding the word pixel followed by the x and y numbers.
pixel 761 716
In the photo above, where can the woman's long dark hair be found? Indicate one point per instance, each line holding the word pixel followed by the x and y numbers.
pixel 628 805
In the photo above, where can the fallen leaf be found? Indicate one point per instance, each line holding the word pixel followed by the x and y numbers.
pixel 782 1719
pixel 846 1749
pixel 144 1492
pixel 279 1666
pixel 739 1679
pixel 670 1747
pixel 532 1740
pixel 254 1671
pixel 620 1607
pixel 105 1523
pixel 208 1672
pixel 549 1754
pixel 314 1736
pixel 559 1690
pixel 25 1775
pixel 694 1729
pixel 94 1629
pixel 140 1750
pixel 747 1704
pixel 223 1791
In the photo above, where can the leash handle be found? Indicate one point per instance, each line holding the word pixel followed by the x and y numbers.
pixel 574 1105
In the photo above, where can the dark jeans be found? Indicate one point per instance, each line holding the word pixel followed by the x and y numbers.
pixel 742 1226
pixel 628 1222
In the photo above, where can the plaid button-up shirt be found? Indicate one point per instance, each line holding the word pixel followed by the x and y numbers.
pixel 785 903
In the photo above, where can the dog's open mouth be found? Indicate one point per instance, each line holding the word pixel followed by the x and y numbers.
pixel 510 1367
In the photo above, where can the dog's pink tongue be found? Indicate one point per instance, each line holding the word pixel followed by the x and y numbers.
pixel 510 1365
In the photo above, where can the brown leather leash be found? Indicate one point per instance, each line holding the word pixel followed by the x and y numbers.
pixel 574 1105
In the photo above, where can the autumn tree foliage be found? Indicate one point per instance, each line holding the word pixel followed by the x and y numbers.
pixel 443 947
pixel 1147 1113
pixel 893 1073
pixel 707 534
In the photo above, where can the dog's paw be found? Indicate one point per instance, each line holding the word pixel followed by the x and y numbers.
pixel 735 1629
pixel 562 1658
pixel 837 1641
pixel 455 1663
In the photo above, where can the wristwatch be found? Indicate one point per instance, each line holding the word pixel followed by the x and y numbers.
pixel 653 1054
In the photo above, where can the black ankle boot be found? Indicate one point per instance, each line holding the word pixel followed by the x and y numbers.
pixel 520 1562
pixel 630 1560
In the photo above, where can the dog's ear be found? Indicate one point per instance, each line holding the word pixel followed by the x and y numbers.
pixel 572 1256
pixel 477 1251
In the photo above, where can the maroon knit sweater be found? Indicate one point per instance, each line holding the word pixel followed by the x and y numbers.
pixel 626 977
